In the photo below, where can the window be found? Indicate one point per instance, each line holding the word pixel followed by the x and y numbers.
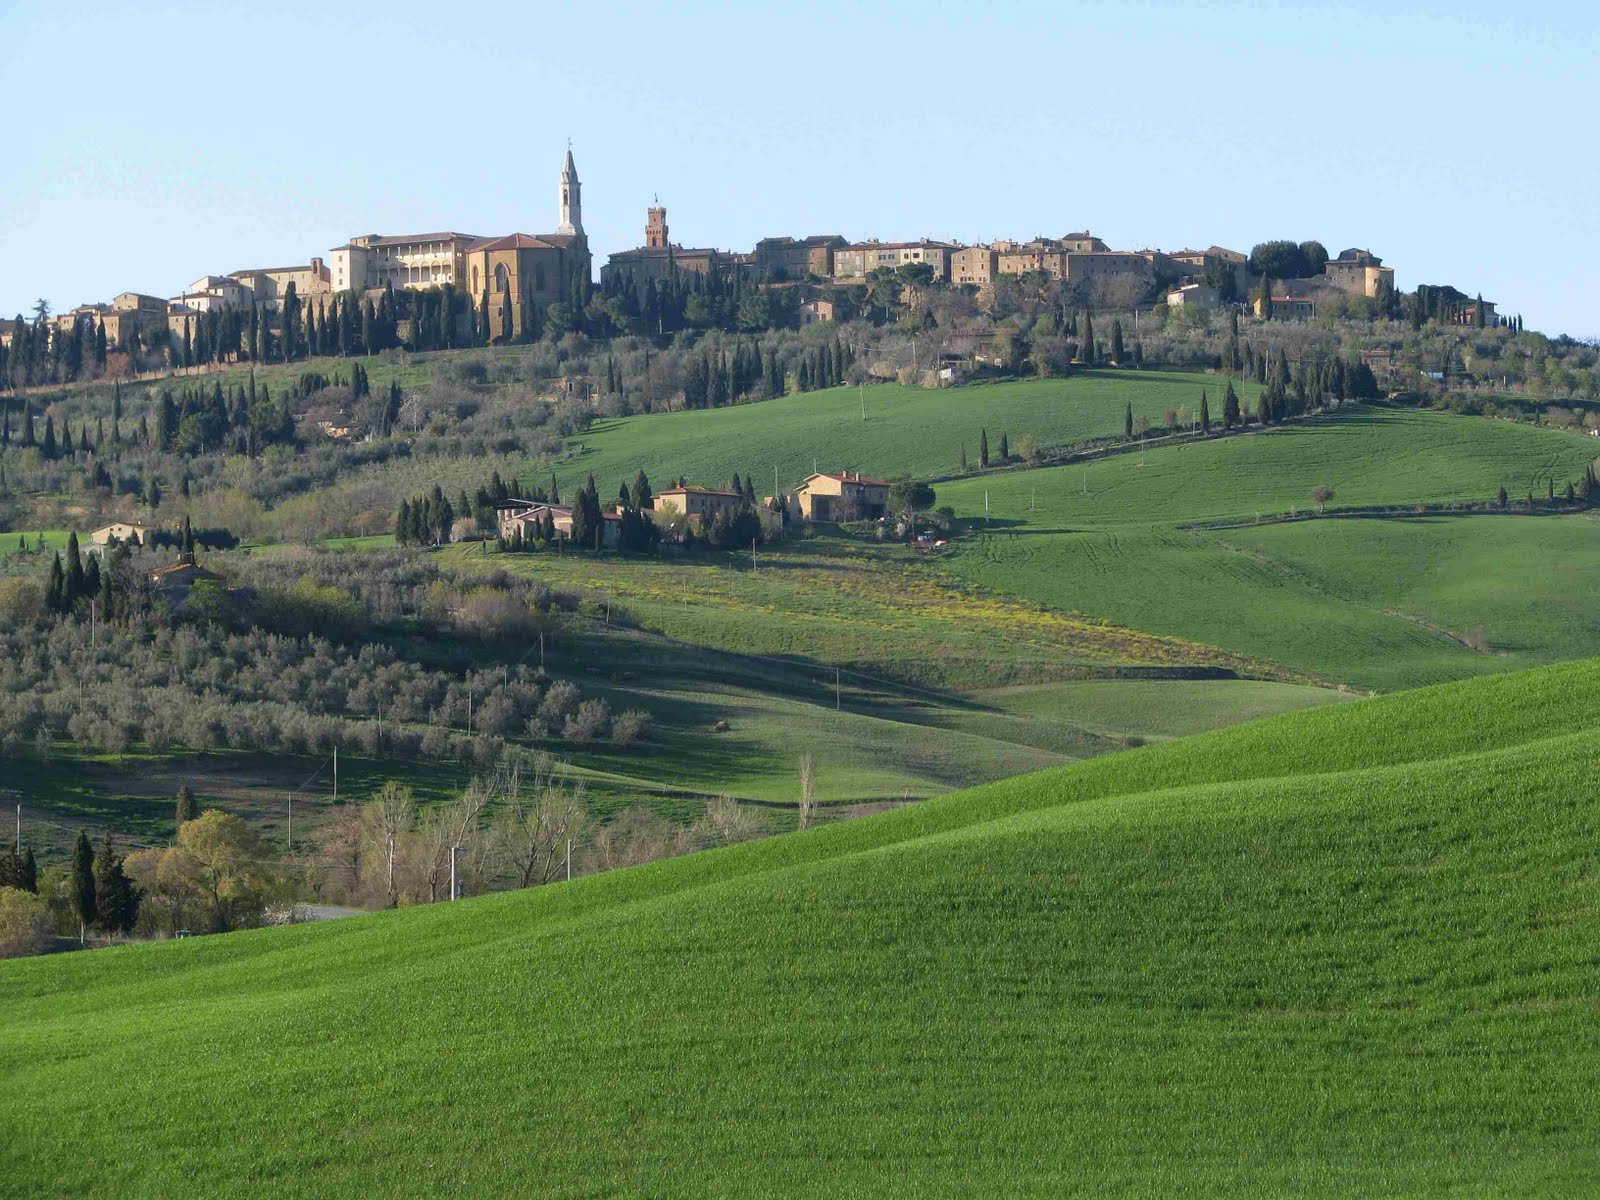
pixel 502 278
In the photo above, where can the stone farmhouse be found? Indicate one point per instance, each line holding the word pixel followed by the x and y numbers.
pixel 839 496
pixel 123 532
pixel 696 503
pixel 527 519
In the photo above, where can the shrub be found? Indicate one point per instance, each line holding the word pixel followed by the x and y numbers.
pixel 590 723
pixel 631 727
pixel 23 923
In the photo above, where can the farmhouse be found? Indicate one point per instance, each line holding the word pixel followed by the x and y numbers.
pixel 1193 295
pixel 120 531
pixel 174 584
pixel 529 522
pixel 696 503
pixel 840 497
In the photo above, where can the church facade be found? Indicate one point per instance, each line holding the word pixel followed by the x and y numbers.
pixel 510 272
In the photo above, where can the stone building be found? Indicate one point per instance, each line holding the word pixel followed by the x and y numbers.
pixel 1358 272
pixel 269 285
pixel 428 260
pixel 842 496
pixel 977 265
pixel 517 270
pixel 659 257
pixel 858 261
pixel 1193 295
pixel 694 502
pixel 787 258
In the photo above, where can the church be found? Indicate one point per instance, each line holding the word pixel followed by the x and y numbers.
pixel 512 271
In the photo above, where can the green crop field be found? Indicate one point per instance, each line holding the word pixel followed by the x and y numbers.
pixel 908 431
pixel 1340 952
pixel 1106 539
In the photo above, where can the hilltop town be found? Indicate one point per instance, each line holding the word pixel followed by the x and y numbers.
pixel 448 288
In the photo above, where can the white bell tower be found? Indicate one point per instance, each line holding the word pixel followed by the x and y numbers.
pixel 571 198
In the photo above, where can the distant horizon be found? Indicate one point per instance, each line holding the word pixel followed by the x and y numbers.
pixel 109 195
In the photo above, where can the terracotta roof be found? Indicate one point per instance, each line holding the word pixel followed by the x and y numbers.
pixel 512 241
pixel 176 570
pixel 661 252
pixel 271 270
pixel 697 490
pixel 849 478
pixel 406 239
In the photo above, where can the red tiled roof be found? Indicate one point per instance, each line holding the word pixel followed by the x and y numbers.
pixel 697 490
pixel 848 478
pixel 513 241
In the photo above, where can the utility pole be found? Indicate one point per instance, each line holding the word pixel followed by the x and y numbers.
pixel 291 822
pixel 19 831
pixel 985 506
pixel 752 554
pixel 862 392
pixel 836 689
pixel 336 773
pixel 569 860
pixel 455 888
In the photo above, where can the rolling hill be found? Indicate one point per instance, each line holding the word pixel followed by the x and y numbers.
pixel 1352 600
pixel 907 431
pixel 1341 952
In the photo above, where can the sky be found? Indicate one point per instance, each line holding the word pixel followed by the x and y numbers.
pixel 147 144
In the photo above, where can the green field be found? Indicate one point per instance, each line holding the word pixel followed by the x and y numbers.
pixel 54 539
pixel 908 431
pixel 1107 540
pixel 741 671
pixel 1342 952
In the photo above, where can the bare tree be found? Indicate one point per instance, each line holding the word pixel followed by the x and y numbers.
pixel 539 813
pixel 808 789
pixel 1322 493
pixel 390 816
pixel 453 824
pixel 725 821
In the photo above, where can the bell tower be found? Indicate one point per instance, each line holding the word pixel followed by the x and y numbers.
pixel 655 227
pixel 571 199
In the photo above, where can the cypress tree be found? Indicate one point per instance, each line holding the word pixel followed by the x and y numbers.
pixel 983 447
pixel 1230 408
pixel 1127 422
pixel 49 447
pixel 1088 339
pixel 28 877
pixel 75 576
pixel 1205 414
pixel 115 898
pixel 184 810
pixel 1116 342
pixel 56 590
pixel 1005 448
pixel 83 893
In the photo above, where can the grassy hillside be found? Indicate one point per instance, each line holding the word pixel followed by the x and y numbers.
pixel 1367 455
pixel 1107 540
pixel 908 431
pixel 738 669
pixel 1342 952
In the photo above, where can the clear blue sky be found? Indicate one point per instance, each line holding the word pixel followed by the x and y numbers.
pixel 146 144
